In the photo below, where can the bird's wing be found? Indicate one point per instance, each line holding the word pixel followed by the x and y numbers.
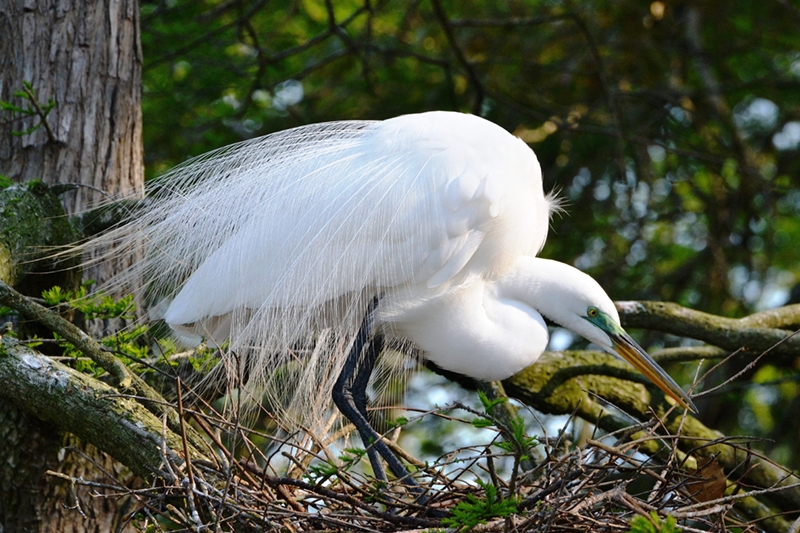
pixel 299 218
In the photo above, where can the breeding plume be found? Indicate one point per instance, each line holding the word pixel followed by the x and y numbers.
pixel 307 243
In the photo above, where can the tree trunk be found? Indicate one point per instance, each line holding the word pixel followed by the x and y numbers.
pixel 85 57
pixel 32 501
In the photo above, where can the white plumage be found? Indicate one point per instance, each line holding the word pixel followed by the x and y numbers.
pixel 279 244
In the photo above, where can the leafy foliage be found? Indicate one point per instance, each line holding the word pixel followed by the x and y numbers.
pixel 474 510
pixel 513 428
pixel 654 524
pixel 97 306
pixel 127 342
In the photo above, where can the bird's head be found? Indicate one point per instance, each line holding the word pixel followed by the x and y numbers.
pixel 576 301
pixel 609 334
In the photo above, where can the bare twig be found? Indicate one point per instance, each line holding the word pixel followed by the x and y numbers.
pixel 472 74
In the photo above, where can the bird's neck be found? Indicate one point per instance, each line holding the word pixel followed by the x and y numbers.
pixel 542 284
pixel 475 331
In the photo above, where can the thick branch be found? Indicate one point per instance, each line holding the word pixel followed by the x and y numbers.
pixel 759 332
pixel 126 378
pixel 688 353
pixel 88 408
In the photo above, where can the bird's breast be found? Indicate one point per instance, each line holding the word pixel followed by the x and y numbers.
pixel 469 330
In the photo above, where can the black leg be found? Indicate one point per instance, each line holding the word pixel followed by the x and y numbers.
pixel 350 396
pixel 358 388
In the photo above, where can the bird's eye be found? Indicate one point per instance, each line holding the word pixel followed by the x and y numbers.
pixel 593 312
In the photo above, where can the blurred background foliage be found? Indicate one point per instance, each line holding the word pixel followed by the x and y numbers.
pixel 672 129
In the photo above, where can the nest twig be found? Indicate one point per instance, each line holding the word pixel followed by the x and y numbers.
pixel 599 486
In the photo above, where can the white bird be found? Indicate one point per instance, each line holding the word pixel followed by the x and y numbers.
pixel 303 243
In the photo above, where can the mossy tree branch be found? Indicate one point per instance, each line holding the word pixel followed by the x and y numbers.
pixel 88 408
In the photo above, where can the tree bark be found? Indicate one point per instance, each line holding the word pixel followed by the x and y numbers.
pixel 85 57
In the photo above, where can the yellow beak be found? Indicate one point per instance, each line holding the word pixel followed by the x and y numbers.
pixel 627 348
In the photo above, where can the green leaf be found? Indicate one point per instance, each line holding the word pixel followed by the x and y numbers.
pixel 481 423
pixel 474 510
pixel 654 524
pixel 488 404
pixel 55 296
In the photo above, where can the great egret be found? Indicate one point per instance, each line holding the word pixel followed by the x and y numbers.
pixel 423 228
